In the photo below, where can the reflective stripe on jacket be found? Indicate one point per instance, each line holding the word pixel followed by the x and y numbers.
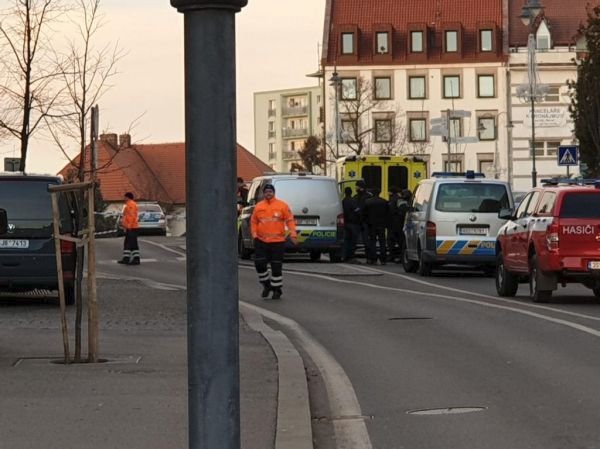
pixel 269 220
pixel 130 215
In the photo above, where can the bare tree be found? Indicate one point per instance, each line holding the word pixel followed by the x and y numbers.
pixel 85 75
pixel 28 92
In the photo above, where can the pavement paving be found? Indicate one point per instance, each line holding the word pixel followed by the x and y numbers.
pixel 137 398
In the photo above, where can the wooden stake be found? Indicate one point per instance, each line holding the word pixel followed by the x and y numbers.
pixel 61 286
pixel 92 299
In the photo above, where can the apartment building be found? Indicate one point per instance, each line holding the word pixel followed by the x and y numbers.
pixel 425 59
pixel 283 120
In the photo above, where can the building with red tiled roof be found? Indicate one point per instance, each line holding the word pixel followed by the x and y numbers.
pixel 414 61
pixel 153 172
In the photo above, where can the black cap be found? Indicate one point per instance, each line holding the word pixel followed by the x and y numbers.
pixel 361 184
pixel 129 195
pixel 270 187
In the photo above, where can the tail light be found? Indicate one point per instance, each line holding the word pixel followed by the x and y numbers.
pixel 430 230
pixel 340 221
pixel 66 247
pixel 552 237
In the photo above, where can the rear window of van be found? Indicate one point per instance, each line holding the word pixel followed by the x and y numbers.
pixel 580 205
pixel 471 197
pixel 306 191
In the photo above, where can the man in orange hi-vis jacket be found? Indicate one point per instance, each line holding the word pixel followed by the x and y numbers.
pixel 129 222
pixel 270 218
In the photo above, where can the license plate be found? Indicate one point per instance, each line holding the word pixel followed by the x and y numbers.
pixel 594 265
pixel 306 221
pixel 21 244
pixel 473 231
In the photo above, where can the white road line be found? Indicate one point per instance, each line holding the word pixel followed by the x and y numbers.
pixel 165 247
pixel 141 260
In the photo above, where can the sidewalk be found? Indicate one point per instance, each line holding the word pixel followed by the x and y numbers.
pixel 138 398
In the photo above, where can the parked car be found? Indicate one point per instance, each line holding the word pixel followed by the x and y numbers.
pixel 454 220
pixel 552 238
pixel 151 219
pixel 27 252
pixel 317 208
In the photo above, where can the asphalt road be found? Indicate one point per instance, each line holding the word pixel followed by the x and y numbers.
pixel 436 362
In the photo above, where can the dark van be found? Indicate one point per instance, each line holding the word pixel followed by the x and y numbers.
pixel 27 255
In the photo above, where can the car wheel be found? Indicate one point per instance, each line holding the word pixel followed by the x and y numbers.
pixel 535 293
pixel 423 268
pixel 507 283
pixel 410 266
pixel 335 255
pixel 315 256
pixel 243 252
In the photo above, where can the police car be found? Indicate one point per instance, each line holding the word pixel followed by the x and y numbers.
pixel 454 220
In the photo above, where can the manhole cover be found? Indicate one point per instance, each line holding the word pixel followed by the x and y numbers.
pixel 446 411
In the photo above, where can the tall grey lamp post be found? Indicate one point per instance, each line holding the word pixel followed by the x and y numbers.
pixel 212 273
pixel 533 91
pixel 336 81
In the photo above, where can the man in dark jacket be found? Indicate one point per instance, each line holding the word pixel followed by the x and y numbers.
pixel 362 195
pixel 351 225
pixel 376 214
pixel 395 224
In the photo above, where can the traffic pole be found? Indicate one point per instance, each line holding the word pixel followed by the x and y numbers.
pixel 212 278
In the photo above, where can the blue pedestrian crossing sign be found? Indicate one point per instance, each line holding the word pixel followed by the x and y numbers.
pixel 568 155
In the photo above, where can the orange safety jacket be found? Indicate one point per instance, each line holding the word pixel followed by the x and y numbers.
pixel 130 215
pixel 269 219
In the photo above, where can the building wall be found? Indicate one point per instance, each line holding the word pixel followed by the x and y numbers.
pixel 283 120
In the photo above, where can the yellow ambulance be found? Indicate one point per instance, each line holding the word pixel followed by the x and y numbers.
pixel 380 171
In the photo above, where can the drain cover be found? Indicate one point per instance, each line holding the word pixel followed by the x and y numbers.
pixel 446 411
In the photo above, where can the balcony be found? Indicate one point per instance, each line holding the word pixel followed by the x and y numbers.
pixel 290 156
pixel 294 111
pixel 289 133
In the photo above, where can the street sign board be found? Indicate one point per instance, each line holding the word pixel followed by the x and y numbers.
pixel 439 130
pixel 568 155
pixel 438 121
pixel 467 139
pixel 458 113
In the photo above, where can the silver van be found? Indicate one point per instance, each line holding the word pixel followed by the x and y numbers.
pixel 317 208
pixel 454 220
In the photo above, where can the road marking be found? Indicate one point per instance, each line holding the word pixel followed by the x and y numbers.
pixel 581 328
pixel 165 247
pixel 349 433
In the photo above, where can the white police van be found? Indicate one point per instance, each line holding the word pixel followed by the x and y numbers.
pixel 453 219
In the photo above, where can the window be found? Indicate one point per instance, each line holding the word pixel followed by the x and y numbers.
pixel 372 176
pixel 451 41
pixel 417 129
pixel 580 205
pixel 522 209
pixel 531 206
pixel 349 130
pixel 416 87
pixel 348 89
pixel 318 99
pixel 382 43
pixel 552 148
pixel 272 154
pixel 485 40
pixel 455 165
pixel 383 88
pixel 486 166
pixel 485 86
pixel 486 128
pixel 455 128
pixel 398 177
pixel 552 94
pixel 547 203
pixel 543 42
pixel 475 197
pixel 271 104
pixel 271 126
pixel 347 43
pixel 383 130
pixel 451 86
pixel 422 196
pixel 416 41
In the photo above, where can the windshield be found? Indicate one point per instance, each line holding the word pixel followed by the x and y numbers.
pixel 472 197
pixel 149 208
pixel 580 205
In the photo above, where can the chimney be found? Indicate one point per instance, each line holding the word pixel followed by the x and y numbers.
pixel 124 141
pixel 109 138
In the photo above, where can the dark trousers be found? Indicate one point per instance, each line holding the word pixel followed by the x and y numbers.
pixel 395 242
pixel 131 250
pixel 351 233
pixel 266 254
pixel 376 235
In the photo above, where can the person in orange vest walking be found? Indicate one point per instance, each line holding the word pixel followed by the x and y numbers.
pixel 129 222
pixel 270 218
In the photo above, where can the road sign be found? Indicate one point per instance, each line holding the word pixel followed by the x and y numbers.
pixel 459 113
pixel 438 121
pixel 439 130
pixel 568 155
pixel 467 139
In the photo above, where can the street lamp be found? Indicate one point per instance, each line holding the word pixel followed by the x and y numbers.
pixel 336 81
pixel 531 92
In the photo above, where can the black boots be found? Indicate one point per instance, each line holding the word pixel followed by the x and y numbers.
pixel 266 290
pixel 277 293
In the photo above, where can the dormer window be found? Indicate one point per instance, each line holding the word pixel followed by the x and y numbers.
pixel 416 41
pixel 347 43
pixel 486 40
pixel 451 41
pixel 543 38
pixel 383 43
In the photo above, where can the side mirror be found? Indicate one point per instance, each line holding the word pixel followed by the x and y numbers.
pixel 506 214
pixel 3 222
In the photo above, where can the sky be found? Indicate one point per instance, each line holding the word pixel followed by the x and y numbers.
pixel 277 45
